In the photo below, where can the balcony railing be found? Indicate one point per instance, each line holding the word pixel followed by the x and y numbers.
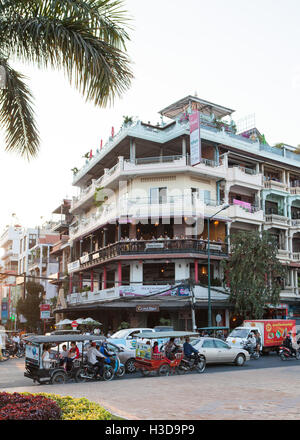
pixel 151 247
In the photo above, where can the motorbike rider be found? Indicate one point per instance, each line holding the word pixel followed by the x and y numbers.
pixel 288 343
pixel 252 340
pixel 95 357
pixel 189 350
pixel 105 352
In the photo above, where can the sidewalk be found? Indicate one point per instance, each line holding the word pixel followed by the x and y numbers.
pixel 272 393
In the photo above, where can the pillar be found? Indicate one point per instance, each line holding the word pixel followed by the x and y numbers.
pixel 70 283
pixel 92 281
pixel 132 151
pixel 183 147
pixel 119 273
pixel 136 273
pixel 104 237
pixel 91 243
pixel 104 279
pixel 182 270
pixel 80 248
pixel 80 280
pixel 196 271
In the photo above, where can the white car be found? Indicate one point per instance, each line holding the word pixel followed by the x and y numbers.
pixel 127 337
pixel 217 351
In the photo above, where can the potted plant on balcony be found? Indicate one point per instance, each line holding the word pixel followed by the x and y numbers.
pixel 127 121
pixel 75 170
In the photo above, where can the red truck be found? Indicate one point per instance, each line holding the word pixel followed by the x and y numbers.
pixel 272 332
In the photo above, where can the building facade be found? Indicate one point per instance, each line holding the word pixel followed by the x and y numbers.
pixel 141 220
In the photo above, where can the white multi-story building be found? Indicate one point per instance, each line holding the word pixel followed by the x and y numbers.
pixel 148 230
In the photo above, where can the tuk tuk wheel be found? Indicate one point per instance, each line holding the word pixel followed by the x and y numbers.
pixel 164 370
pixel 58 378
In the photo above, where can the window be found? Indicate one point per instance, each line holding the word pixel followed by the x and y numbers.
pixel 208 343
pixel 220 344
pixel 158 195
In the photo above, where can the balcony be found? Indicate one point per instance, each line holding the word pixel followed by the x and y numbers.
pixel 276 220
pixel 152 248
pixel 275 185
pixel 283 255
pixel 238 175
pixel 252 214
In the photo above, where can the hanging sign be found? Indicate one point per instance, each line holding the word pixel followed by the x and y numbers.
pixel 195 138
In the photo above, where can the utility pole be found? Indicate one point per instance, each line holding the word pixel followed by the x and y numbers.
pixel 193 302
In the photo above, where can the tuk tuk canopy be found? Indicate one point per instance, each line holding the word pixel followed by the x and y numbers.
pixel 63 338
pixel 163 335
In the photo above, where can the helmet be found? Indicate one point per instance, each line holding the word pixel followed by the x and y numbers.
pixel 93 344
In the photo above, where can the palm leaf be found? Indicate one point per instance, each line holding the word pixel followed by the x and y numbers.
pixel 16 114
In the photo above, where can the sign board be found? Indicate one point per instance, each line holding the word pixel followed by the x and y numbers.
pixel 166 290
pixel 85 259
pixel 74 324
pixel 218 318
pixel 73 266
pixel 195 138
pixel 147 308
pixel 45 314
pixel 45 307
pixel 4 311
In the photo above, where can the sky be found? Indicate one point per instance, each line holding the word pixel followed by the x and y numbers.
pixel 240 54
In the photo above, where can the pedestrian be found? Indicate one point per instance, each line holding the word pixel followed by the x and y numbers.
pixel 258 341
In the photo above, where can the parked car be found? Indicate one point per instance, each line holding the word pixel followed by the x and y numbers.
pixel 127 337
pixel 217 351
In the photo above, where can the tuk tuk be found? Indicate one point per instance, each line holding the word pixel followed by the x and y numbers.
pixel 146 361
pixel 215 332
pixel 56 374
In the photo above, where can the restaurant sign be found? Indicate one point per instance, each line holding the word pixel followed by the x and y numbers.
pixel 147 308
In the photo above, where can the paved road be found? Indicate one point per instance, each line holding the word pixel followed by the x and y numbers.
pixel 265 389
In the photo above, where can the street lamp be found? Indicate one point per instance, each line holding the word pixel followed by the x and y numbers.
pixel 208 261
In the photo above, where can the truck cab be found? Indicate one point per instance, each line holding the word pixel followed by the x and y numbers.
pixel 239 336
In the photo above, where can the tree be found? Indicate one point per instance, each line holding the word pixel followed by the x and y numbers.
pixel 85 38
pixel 30 306
pixel 253 273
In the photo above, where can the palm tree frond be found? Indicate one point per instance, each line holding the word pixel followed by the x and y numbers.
pixel 17 116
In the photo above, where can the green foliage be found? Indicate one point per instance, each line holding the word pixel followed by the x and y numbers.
pixel 127 120
pixel 85 39
pixel 99 197
pixel 124 324
pixel 75 170
pixel 253 272
pixel 30 306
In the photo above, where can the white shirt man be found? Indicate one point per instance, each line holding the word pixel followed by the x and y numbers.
pixel 252 339
pixel 92 355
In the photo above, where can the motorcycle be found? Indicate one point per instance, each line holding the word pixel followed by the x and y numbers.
pixel 285 353
pixel 113 359
pixel 196 362
pixel 251 350
pixel 89 371
pixel 13 350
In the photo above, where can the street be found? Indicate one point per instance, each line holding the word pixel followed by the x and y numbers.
pixel 264 389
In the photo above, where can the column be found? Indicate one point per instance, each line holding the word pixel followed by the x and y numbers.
pixel 286 240
pixel 92 281
pixel 136 273
pixel 70 283
pixel 91 243
pixel 228 227
pixel 80 280
pixel 291 243
pixel 132 151
pixel 296 282
pixel 182 270
pixel 183 147
pixel 104 236
pixel 196 271
pixel 104 278
pixel 80 248
pixel 119 273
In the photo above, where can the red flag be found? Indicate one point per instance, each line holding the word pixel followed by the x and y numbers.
pixel 91 154
pixel 112 131
pixel 101 143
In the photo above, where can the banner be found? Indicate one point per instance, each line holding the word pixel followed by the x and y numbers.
pixel 195 138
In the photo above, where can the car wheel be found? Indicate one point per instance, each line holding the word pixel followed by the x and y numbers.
pixel 240 360
pixel 58 378
pixel 130 366
pixel 164 370
pixel 298 355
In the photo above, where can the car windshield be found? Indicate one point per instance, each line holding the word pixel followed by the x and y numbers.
pixel 120 334
pixel 194 341
pixel 239 333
